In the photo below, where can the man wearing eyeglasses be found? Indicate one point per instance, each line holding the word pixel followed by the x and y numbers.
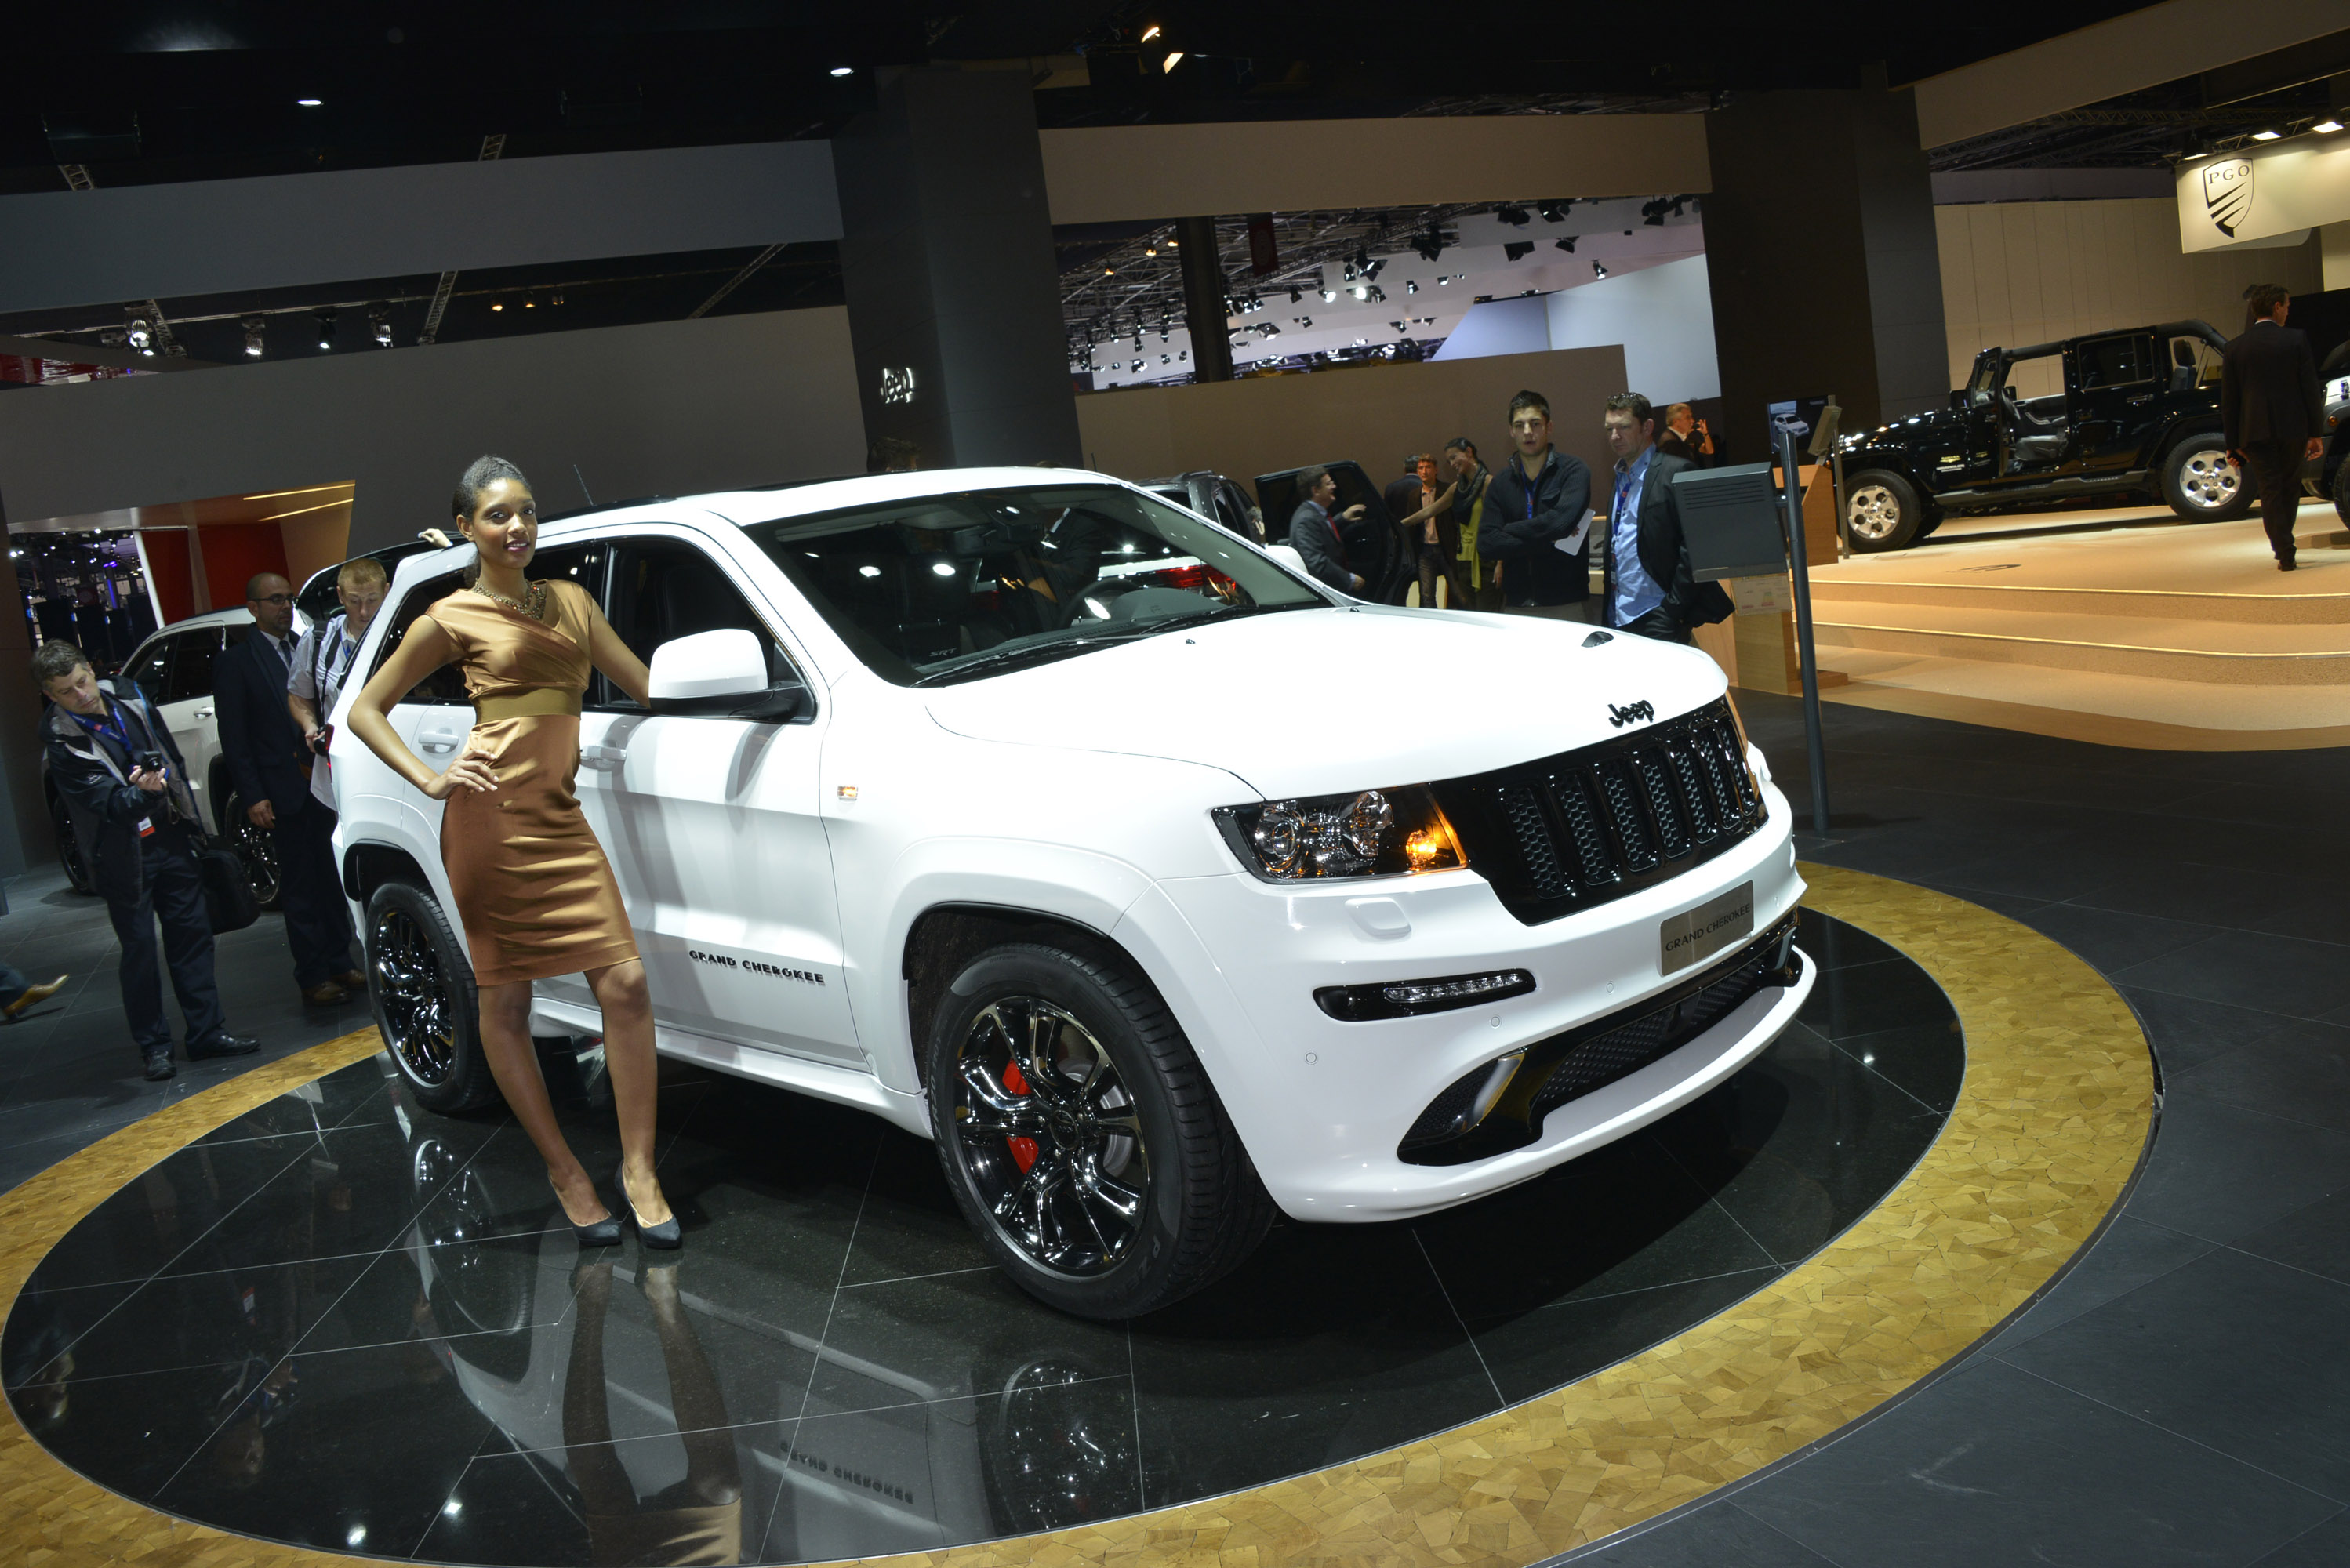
pixel 271 760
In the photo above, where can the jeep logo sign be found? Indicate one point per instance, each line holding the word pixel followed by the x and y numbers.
pixel 1637 713
pixel 2228 193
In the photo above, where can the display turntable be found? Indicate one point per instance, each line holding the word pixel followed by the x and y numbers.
pixel 344 1322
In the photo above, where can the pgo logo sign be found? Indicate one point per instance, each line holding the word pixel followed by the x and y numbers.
pixel 2228 194
pixel 898 385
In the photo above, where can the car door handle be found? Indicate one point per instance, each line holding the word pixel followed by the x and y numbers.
pixel 439 740
pixel 203 713
pixel 2141 399
pixel 604 759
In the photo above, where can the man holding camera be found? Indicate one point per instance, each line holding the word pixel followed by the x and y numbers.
pixel 271 760
pixel 125 787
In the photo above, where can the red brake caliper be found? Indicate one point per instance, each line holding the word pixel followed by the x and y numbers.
pixel 1023 1149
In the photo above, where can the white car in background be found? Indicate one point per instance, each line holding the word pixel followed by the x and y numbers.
pixel 1032 814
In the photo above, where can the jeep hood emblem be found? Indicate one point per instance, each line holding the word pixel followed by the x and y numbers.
pixel 1635 713
pixel 2228 194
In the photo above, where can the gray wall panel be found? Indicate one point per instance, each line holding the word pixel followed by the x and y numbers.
pixel 217 236
pixel 666 408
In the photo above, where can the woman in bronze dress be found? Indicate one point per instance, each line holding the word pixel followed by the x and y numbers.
pixel 532 888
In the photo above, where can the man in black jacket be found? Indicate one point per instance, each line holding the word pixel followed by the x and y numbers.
pixel 2273 412
pixel 1651 590
pixel 136 827
pixel 1314 532
pixel 1534 520
pixel 271 763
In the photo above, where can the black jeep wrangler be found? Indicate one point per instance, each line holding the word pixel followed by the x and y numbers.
pixel 2119 415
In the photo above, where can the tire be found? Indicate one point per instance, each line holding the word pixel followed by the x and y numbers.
pixel 1143 1195
pixel 420 985
pixel 2201 484
pixel 2342 490
pixel 1882 511
pixel 255 846
pixel 68 846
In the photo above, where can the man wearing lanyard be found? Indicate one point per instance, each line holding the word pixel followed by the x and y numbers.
pixel 272 766
pixel 135 825
pixel 322 666
pixel 1536 519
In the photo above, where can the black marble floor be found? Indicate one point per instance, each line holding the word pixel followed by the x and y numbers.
pixel 345 1323
pixel 68 1073
pixel 2179 1396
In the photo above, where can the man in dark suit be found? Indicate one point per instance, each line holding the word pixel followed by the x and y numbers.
pixel 2273 412
pixel 1314 532
pixel 137 827
pixel 1651 591
pixel 271 763
pixel 1534 523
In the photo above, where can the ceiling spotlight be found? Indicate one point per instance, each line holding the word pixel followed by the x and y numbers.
pixel 2327 127
pixel 254 326
pixel 308 102
pixel 1652 213
pixel 1373 270
pixel 2267 135
pixel 380 325
pixel 497 305
pixel 1359 291
pixel 1567 244
pixel 1136 366
pixel 1297 294
pixel 1304 321
pixel 1109 272
pixel 557 299
pixel 1441 281
pixel 842 71
pixel 1328 294
pixel 1149 33
pixel 1517 249
pixel 1171 62
pixel 1554 212
pixel 325 316
pixel 1513 216
pixel 528 302
pixel 139 332
pixel 1151 250
pixel 1430 246
pixel 1599 269
pixel 1411 285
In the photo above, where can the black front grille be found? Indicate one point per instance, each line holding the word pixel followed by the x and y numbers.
pixel 1566 833
pixel 1572 1063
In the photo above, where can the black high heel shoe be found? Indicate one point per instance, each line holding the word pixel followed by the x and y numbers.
pixel 667 1236
pixel 604 1233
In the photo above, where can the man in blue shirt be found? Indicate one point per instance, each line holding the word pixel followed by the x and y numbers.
pixel 1651 591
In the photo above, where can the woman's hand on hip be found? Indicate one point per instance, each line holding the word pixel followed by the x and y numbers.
pixel 471 771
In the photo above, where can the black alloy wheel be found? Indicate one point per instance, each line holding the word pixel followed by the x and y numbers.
pixel 1080 1136
pixel 68 844
pixel 257 848
pixel 2342 490
pixel 1050 1137
pixel 421 986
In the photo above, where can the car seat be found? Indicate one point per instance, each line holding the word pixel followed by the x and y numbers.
pixel 2183 374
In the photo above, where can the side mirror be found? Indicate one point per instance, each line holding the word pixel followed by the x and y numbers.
pixel 718 674
pixel 1288 557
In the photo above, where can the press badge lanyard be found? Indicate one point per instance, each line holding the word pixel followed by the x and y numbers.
pixel 112 728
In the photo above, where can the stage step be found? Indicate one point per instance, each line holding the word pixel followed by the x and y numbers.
pixel 1990 627
pixel 1986 592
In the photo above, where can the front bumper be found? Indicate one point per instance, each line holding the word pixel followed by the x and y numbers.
pixel 1324 1105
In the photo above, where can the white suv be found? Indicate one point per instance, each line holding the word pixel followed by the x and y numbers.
pixel 1162 886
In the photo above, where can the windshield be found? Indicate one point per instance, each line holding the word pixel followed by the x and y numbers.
pixel 947 588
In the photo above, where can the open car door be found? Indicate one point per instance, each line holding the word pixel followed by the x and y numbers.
pixel 1375 549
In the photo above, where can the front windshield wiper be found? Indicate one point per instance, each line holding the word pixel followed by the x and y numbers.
pixel 997 660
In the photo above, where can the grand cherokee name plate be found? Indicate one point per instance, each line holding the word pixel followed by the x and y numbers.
pixel 1714 926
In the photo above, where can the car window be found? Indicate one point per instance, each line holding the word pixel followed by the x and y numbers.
pixel 150 668
pixel 2116 362
pixel 2193 363
pixel 662 589
pixel 967 585
pixel 444 688
pixel 2041 376
pixel 192 653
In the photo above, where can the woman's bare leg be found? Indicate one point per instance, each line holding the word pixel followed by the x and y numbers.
pixel 634 1071
pixel 514 1062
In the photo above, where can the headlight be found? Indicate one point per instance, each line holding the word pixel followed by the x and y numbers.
pixel 1373 833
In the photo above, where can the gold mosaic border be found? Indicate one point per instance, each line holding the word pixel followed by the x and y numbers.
pixel 2056 1107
